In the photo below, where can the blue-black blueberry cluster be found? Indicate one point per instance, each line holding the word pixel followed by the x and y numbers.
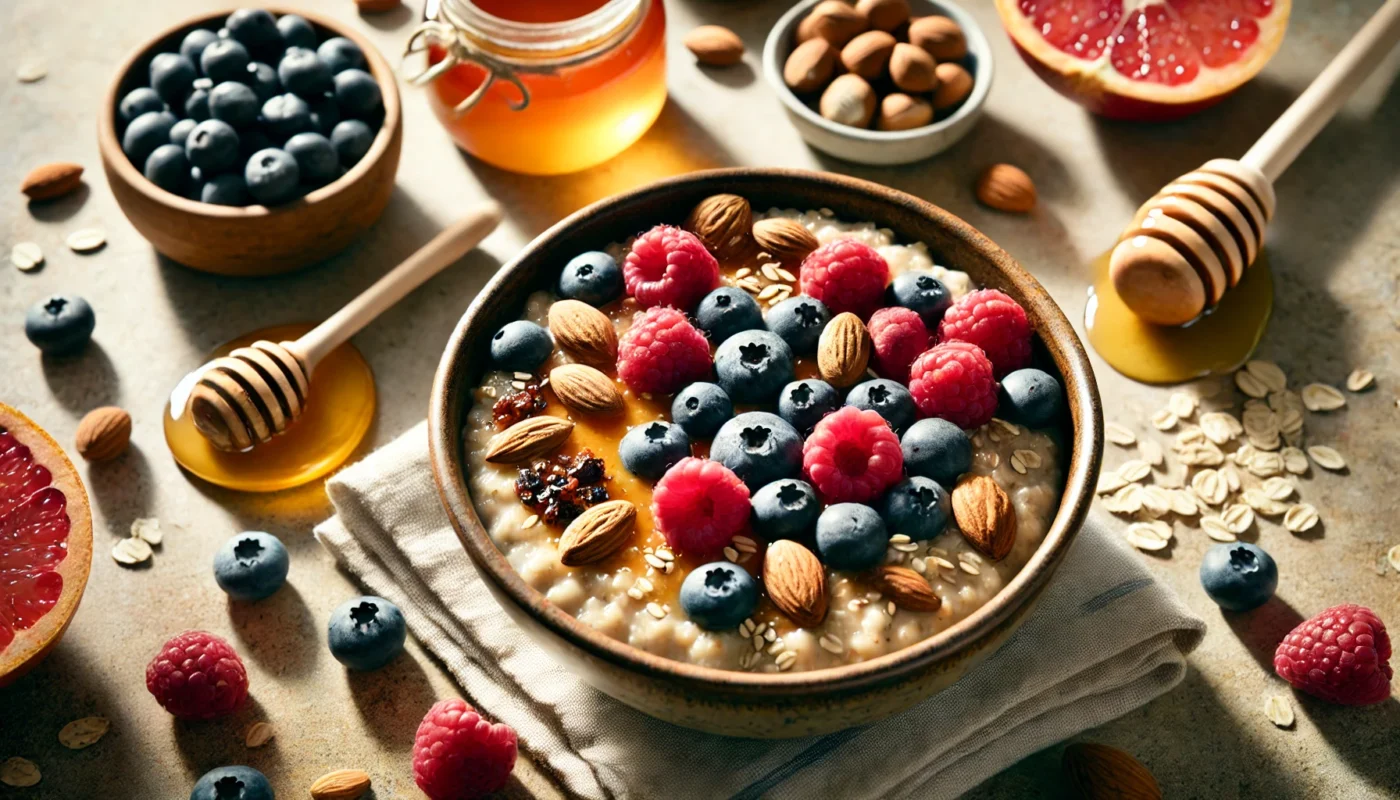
pixel 261 111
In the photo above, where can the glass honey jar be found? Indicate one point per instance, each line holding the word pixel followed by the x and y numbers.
pixel 544 87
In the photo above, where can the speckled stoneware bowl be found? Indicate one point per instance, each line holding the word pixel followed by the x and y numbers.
pixel 740 703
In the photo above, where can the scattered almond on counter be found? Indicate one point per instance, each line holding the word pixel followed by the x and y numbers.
pixel 1101 772
pixel 51 181
pixel 715 45
pixel 343 784
pixel 1006 188
pixel 103 434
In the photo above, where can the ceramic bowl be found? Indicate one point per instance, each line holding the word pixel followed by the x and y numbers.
pixel 866 146
pixel 741 703
pixel 252 240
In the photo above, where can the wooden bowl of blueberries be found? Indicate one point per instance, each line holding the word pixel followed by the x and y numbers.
pixel 252 142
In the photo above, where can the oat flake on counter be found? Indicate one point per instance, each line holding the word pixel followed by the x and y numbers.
pixel 1279 710
pixel 26 256
pixel 83 732
pixel 19 772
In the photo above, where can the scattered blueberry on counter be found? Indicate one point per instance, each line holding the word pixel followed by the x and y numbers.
pixel 251 566
pixel 719 595
pixel 243 783
pixel 1239 576
pixel 649 449
pixel 60 324
pixel 366 633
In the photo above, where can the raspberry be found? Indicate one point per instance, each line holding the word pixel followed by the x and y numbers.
pixel 899 335
pixel 669 267
pixel 457 755
pixel 662 353
pixel 993 322
pixel 698 505
pixel 852 456
pixel 197 675
pixel 846 276
pixel 953 381
pixel 1341 655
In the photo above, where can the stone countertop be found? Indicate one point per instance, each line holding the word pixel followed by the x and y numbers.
pixel 1335 249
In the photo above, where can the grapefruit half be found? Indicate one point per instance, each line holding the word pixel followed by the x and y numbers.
pixel 45 543
pixel 1145 59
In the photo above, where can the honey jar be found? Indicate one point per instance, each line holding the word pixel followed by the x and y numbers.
pixel 547 86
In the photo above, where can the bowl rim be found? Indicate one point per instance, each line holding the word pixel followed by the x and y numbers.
pixel 783 29
pixel 1086 439
pixel 109 145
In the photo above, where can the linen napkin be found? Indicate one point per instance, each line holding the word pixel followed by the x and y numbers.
pixel 1104 638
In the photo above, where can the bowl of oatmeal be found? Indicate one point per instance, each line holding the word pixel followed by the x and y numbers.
pixel 765 452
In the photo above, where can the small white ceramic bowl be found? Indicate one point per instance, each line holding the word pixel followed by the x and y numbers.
pixel 882 147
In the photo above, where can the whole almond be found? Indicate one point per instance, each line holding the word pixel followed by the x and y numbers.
pixel 584 332
pixel 810 65
pixel 868 55
pixel 796 582
pixel 884 15
pixel 984 514
pixel 343 784
pixel 833 20
pixel 784 239
pixel 377 6
pixel 1006 188
pixel 715 45
pixel 900 112
pixel 597 533
pixel 906 588
pixel 1101 772
pixel 527 439
pixel 722 222
pixel 843 351
pixel 940 36
pixel 51 180
pixel 103 433
pixel 954 85
pixel 584 389
pixel 849 100
pixel 912 69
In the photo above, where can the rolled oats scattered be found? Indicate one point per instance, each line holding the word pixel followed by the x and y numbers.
pixel 1238 517
pixel 1393 556
pixel 1164 419
pixel 771 635
pixel 1216 529
pixel 1360 380
pixel 86 240
pixel 531 521
pixel 1156 500
pixel 1209 487
pixel 1265 464
pixel 770 271
pixel 656 610
pixel 1321 397
pixel 1279 710
pixel 1264 504
pixel 26 256
pixel 83 732
pixel 643 584
pixel 1154 535
pixel 1127 500
pixel 1181 404
pixel 785 659
pixel 831 644
pixel 1184 503
pixel 741 273
pixel 942 562
pixel 147 529
pixel 1279 488
pixel 1150 451
pixel 1250 385
pixel 1135 470
pixel 635 593
pixel 744 544
pixel 1109 482
pixel 1327 458
pixel 731 554
pixel 1118 434
pixel 31 71
pixel 1268 373
pixel 1030 458
pixel 1294 460
pixel 1206 454
pixel 1009 427
pixel 653 561
pixel 259 734
pixel 1290 420
pixel 1220 427
pixel 919 565
pixel 905 547
pixel 1231 476
pixel 19 772
pixel 746 628
pixel 1190 435
pixel 1300 518
pixel 131 551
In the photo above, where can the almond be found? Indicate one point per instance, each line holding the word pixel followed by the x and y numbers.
pixel 52 180
pixel 796 582
pixel 584 389
pixel 1006 188
pixel 985 516
pixel 849 100
pixel 715 45
pixel 722 222
pixel 343 784
pixel 103 433
pixel 377 6
pixel 868 54
pixel 832 20
pixel 810 65
pixel 906 588
pixel 843 350
pixel 597 533
pixel 954 85
pixel 784 239
pixel 1101 772
pixel 584 331
pixel 940 36
pixel 884 15
pixel 900 112
pixel 528 439
pixel 912 69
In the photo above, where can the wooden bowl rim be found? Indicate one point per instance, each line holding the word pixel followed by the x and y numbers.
pixel 110 145
pixel 1054 329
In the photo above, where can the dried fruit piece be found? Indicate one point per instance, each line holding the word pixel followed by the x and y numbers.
pixel 906 588
pixel 810 66
pixel 83 732
pixel 597 533
pixel 51 181
pixel 715 45
pixel 343 784
pixel 796 582
pixel 528 439
pixel 1101 772
pixel 103 433
pixel 1006 188
pixel 584 332
pixel 584 389
pixel 985 516
pixel 784 239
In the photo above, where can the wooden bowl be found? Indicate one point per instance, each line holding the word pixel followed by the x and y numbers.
pixel 740 703
pixel 252 240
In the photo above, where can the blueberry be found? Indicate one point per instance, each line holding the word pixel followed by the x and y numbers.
pixel 367 632
pixel 759 447
pixel 146 133
pixel 352 139
pixel 357 93
pixel 255 28
pixel 649 449
pixel 701 408
pixel 234 103
pixel 192 46
pixel 803 403
pixel 727 311
pixel 937 449
pixel 303 72
pixel 916 507
pixel 197 105
pixel 226 190
pixel 887 398
pixel 180 131
pixel 341 54
pixel 520 346
pixel 592 277
pixel 286 115
pixel 753 366
pixel 922 293
pixel 851 536
pixel 251 566
pixel 232 783
pixel 718 596
pixel 1238 576
pixel 168 168
pixel 785 509
pixel 172 76
pixel 61 324
pixel 263 80
pixel 325 114
pixel 1030 397
pixel 139 101
pixel 315 157
pixel 272 176
pixel 799 320
pixel 225 60
pixel 213 147
pixel 296 31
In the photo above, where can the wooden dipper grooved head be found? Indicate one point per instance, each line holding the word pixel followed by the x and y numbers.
pixel 250 395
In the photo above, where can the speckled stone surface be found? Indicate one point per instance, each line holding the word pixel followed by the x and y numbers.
pixel 1335 247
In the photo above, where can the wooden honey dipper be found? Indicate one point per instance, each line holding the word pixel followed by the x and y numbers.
pixel 1195 238
pixel 254 393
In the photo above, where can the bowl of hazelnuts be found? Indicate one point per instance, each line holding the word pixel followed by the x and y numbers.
pixel 879 81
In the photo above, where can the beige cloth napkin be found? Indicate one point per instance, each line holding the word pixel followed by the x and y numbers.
pixel 1104 638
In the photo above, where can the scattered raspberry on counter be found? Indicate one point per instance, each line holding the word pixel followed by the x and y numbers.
pixel 197 675
pixel 1341 655
pixel 457 755
pixel 993 322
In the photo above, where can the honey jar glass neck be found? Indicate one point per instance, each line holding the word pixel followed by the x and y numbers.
pixel 541 43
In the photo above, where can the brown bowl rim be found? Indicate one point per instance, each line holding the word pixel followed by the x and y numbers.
pixel 1052 327
pixel 110 146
